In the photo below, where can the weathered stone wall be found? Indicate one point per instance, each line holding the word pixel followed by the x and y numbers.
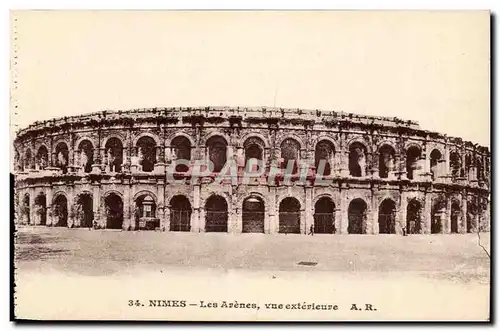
pixel 268 129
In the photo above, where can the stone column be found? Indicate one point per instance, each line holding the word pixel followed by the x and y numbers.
pixel 344 163
pixel 162 207
pixel 462 227
pixel 48 203
pixel 426 215
pixel 128 217
pixel 273 225
pixel 446 226
pixel 96 206
pixel 33 216
pixel 401 215
pixel 71 205
pixel 374 228
pixel 344 220
pixel 199 214
pixel 375 167
pixel 338 218
pixel 309 218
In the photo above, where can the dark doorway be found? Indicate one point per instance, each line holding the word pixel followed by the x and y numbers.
pixel 387 217
pixel 180 214
pixel 437 216
pixel 216 214
pixel 289 216
pixel 324 216
pixel 414 217
pixel 114 211
pixel 41 208
pixel 357 217
pixel 85 210
pixel 60 210
pixel 253 215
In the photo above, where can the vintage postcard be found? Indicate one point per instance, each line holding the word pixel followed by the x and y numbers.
pixel 251 165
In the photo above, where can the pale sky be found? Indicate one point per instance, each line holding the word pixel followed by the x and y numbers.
pixel 428 67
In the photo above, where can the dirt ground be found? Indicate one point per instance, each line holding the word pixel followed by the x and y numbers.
pixel 430 276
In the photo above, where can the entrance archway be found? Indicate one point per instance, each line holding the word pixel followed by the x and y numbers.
pixel 216 214
pixel 289 216
pixel 41 208
pixel 60 210
pixel 357 216
pixel 253 215
pixel 387 217
pixel 145 213
pixel 324 216
pixel 437 216
pixel 113 205
pixel 180 214
pixel 25 209
pixel 414 217
pixel 84 210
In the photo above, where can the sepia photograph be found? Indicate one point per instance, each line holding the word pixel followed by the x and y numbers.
pixel 251 165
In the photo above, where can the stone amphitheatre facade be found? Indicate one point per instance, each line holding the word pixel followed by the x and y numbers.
pixel 385 175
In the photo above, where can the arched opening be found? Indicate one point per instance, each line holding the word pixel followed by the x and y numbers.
pixel 145 213
pixel 455 164
pixel 324 154
pixel 114 155
pixel 180 214
pixel 28 159
pixel 113 205
pixel 84 210
pixel 17 161
pixel 387 217
pixel 356 215
pixel 438 215
pixel 25 209
pixel 290 154
pixel 324 216
pixel 357 160
pixel 480 169
pixel 436 158
pixel 254 150
pixel 86 155
pixel 472 211
pixel 386 161
pixel 253 215
pixel 181 147
pixel 412 157
pixel 455 216
pixel 289 216
pixel 41 209
pixel 216 214
pixel 414 217
pixel 42 157
pixel 146 151
pixel 60 210
pixel 62 156
pixel 217 152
